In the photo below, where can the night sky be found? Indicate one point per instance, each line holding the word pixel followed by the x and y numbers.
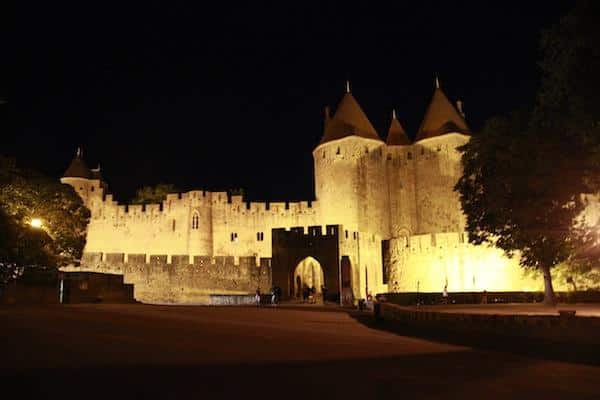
pixel 232 96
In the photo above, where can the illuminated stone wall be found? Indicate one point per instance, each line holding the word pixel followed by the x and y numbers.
pixel 346 170
pixel 427 262
pixel 183 280
pixel 225 225
pixel 437 169
pixel 400 171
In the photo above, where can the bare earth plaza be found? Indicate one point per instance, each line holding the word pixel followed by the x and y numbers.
pixel 250 202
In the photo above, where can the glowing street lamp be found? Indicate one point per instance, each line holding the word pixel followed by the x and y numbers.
pixel 36 223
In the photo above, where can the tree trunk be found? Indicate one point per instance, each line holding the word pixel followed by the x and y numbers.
pixel 549 296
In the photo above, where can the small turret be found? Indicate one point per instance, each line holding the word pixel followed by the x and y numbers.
pixel 396 134
pixel 87 183
pixel 78 167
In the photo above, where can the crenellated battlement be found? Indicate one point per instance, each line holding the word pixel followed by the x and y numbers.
pixel 198 198
pixel 91 259
pixel 433 241
pixel 309 231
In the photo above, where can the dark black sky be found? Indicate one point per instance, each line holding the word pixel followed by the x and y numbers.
pixel 227 96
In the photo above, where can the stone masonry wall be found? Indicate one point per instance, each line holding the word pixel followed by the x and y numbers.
pixel 226 225
pixel 426 263
pixel 183 280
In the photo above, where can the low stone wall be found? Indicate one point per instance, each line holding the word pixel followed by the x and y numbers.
pixel 90 287
pixel 412 298
pixel 23 293
pixel 231 300
pixel 180 282
pixel 565 329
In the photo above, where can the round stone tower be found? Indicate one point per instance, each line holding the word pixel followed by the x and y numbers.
pixel 344 165
pixel 438 165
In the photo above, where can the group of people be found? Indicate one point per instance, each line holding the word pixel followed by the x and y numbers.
pixel 275 296
pixel 309 294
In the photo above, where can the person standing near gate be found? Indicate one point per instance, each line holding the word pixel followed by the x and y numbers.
pixel 274 295
pixel 324 293
pixel 257 297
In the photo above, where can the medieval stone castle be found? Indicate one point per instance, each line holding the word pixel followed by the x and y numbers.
pixel 385 219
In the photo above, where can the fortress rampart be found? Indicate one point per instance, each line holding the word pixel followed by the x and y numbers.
pixel 192 223
pixel 427 262
pixel 183 280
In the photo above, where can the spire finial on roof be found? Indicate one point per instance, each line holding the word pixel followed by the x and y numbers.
pixel 347 86
pixel 78 154
pixel 437 82
pixel 394 113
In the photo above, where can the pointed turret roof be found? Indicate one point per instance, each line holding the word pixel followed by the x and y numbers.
pixel 78 168
pixel 349 120
pixel 396 134
pixel 441 118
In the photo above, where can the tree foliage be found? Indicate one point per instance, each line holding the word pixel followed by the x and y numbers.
pixel 153 194
pixel 524 175
pixel 26 194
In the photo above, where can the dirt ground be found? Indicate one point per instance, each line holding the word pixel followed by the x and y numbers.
pixel 176 352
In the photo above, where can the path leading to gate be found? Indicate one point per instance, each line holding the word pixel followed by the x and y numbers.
pixel 142 351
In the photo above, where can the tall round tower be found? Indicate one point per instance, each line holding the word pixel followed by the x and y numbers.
pixel 438 165
pixel 344 167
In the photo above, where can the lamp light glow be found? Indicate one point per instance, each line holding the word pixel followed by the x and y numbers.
pixel 36 223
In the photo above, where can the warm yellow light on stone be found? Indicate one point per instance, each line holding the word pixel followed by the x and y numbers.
pixel 36 223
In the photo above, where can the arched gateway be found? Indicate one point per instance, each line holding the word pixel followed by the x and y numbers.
pixel 308 273
pixel 310 257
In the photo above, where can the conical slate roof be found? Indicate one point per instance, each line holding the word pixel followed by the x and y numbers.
pixel 396 134
pixel 441 118
pixel 78 168
pixel 349 120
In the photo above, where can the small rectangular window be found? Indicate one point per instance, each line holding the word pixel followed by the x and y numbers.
pixel 260 236
pixel 173 226
pixel 234 236
pixel 346 233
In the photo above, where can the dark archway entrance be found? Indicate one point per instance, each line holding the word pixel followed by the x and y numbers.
pixel 292 247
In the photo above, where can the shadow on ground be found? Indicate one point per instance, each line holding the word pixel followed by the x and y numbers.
pixel 453 374
pixel 538 348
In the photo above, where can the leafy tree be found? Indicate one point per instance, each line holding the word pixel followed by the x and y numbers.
pixel 524 176
pixel 153 194
pixel 26 194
